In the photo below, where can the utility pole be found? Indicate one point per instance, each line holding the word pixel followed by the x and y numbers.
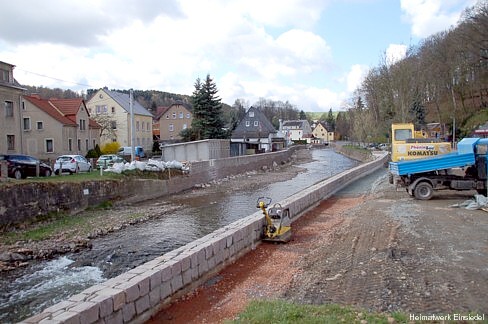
pixel 132 134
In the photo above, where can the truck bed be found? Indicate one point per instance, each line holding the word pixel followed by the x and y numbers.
pixel 441 162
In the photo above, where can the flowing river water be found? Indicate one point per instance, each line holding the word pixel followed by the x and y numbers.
pixel 41 285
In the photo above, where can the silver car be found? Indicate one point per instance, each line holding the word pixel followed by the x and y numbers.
pixel 72 164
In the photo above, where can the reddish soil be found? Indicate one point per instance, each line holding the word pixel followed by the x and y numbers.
pixel 383 251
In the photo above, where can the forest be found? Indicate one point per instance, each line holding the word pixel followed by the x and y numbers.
pixel 444 79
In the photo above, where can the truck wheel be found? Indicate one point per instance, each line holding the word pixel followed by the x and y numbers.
pixel 423 191
pixel 390 178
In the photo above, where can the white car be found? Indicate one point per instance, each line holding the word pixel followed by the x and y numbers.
pixel 72 164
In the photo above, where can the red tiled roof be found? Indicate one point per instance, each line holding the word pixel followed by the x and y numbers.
pixel 50 109
pixel 68 106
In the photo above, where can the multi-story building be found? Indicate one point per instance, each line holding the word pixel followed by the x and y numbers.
pixel 172 120
pixel 57 126
pixel 116 107
pixel 11 114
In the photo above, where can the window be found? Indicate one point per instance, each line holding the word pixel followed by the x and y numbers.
pixel 256 123
pixel 174 115
pixel 94 143
pixel 49 145
pixel 79 145
pixel 10 142
pixel 137 126
pixel 86 144
pixel 9 109
pixel 251 114
pixel 181 114
pixel 23 105
pixel 5 75
pixel 27 124
pixel 113 110
pixel 113 124
pixel 148 127
pixel 185 126
pixel 171 127
pixel 40 125
pixel 248 123
pixel 70 144
pixel 102 109
pixel 188 115
pixel 82 124
pixel 167 116
pixel 402 134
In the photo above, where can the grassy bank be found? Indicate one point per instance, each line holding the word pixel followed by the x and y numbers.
pixel 280 312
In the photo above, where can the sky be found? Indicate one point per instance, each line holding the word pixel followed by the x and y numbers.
pixel 311 53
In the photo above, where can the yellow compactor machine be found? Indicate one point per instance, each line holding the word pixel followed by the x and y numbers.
pixel 278 222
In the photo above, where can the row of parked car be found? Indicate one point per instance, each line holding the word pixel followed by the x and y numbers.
pixel 21 166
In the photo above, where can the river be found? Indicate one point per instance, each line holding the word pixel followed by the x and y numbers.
pixel 29 291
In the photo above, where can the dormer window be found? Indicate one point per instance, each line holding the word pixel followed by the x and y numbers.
pixel 251 114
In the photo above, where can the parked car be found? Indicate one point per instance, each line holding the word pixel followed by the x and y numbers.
pixel 21 166
pixel 127 150
pixel 107 160
pixel 72 164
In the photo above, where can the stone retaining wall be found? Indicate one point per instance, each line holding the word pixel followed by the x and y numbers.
pixel 24 202
pixel 133 297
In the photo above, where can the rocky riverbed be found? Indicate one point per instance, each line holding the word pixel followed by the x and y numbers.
pixel 78 230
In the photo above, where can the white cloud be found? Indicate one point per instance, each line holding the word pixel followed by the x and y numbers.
pixel 395 53
pixel 431 16
pixel 356 76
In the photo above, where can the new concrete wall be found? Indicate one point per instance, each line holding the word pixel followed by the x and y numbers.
pixel 134 296
pixel 197 150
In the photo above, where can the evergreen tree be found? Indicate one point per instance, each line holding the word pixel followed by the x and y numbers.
pixel 207 111
pixel 331 120
pixel 303 116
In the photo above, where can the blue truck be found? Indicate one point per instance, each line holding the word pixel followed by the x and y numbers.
pixel 464 169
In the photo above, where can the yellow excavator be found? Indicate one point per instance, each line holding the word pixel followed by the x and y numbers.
pixel 278 222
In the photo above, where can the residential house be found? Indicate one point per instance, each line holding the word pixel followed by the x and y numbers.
pixel 255 134
pixel 117 107
pixel 11 114
pixel 172 120
pixel 435 130
pixel 57 126
pixel 323 133
pixel 297 130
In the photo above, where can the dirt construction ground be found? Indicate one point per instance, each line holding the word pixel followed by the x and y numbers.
pixel 380 251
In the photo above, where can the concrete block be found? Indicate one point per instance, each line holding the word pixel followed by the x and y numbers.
pixel 68 318
pixel 201 256
pixel 128 312
pixel 208 251
pixel 185 259
pixel 176 282
pixel 166 290
pixel 89 311
pixel 115 318
pixel 131 289
pixel 64 305
pixel 144 283
pixel 118 296
pixel 154 279
pixel 37 318
pixel 187 277
pixel 228 241
pixel 202 268
pixel 175 266
pixel 211 263
pixel 194 272
pixel 106 304
pixel 165 272
pixel 142 304
pixel 155 296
